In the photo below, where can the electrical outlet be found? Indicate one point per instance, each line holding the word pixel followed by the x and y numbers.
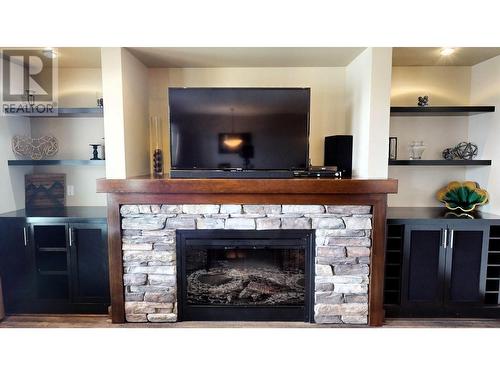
pixel 71 190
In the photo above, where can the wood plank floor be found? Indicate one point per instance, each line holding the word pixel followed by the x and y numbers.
pixel 103 321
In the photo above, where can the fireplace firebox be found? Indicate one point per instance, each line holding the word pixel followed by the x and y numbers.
pixel 245 275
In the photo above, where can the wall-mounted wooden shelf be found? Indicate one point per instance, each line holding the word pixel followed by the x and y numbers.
pixel 441 111
pixel 56 162
pixel 66 112
pixel 439 162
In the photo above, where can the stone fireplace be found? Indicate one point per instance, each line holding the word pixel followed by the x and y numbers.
pixel 347 216
pixel 339 259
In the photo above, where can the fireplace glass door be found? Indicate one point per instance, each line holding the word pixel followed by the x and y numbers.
pixel 244 275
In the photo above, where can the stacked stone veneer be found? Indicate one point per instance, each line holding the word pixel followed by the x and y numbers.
pixel 342 253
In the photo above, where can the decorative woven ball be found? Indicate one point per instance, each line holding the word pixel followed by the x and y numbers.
pixel 465 150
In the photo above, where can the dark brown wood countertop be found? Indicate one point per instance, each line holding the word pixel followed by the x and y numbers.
pixel 166 185
pixel 429 214
pixel 67 212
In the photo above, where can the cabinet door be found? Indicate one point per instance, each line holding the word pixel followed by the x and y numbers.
pixel 423 265
pixel 89 263
pixel 16 265
pixel 466 261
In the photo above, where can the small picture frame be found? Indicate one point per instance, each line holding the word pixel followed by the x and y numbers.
pixel 393 148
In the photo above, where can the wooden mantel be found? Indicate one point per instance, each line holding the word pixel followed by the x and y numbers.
pixel 148 190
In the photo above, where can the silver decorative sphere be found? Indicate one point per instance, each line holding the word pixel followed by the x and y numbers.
pixel 465 151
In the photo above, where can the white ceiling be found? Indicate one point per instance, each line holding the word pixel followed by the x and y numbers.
pixel 430 56
pixel 198 57
pixel 90 57
pixel 176 57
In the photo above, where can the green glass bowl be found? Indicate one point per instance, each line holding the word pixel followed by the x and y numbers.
pixel 463 196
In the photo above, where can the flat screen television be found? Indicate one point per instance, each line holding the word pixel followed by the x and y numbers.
pixel 239 128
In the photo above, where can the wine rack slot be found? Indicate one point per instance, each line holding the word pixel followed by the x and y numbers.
pixel 393 259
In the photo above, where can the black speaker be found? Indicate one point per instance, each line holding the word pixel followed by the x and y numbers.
pixel 338 152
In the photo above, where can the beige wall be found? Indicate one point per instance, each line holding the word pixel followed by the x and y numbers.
pixel 368 85
pixel 358 82
pixel 11 178
pixel 78 87
pixel 327 93
pixel 380 112
pixel 158 106
pixel 126 96
pixel 135 114
pixel 445 85
pixel 74 136
pixel 112 88
pixel 484 129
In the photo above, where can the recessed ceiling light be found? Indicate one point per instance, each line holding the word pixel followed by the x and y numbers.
pixel 50 53
pixel 447 51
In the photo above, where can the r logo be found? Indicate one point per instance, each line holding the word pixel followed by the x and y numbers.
pixel 28 81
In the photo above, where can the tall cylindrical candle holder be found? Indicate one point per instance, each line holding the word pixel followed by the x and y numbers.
pixel 156 139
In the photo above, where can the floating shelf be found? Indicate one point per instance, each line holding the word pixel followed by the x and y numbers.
pixel 56 162
pixel 66 112
pixel 439 162
pixel 441 111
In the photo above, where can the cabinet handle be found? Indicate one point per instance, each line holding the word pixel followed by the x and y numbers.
pixel 70 233
pixel 25 236
pixel 451 239
pixel 445 237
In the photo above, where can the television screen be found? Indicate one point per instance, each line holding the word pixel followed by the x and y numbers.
pixel 239 128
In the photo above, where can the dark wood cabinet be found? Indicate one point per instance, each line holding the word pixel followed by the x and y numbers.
pixel 423 262
pixel 89 263
pixel 466 263
pixel 446 267
pixel 54 264
pixel 16 264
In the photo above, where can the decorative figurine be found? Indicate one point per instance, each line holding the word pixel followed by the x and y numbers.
pixel 95 153
pixel 423 101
